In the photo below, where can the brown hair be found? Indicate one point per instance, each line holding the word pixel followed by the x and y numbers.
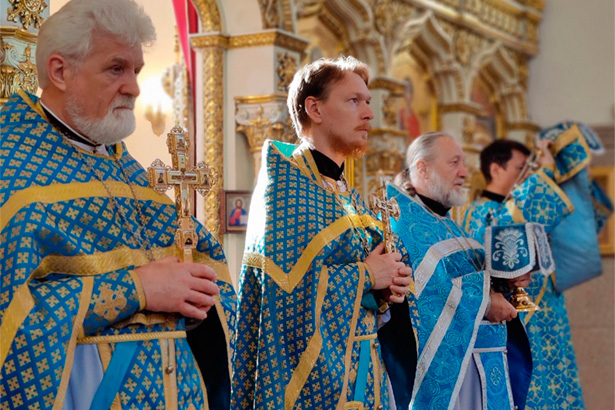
pixel 314 80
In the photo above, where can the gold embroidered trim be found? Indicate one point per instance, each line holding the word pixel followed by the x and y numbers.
pixel 14 315
pixel 352 330
pixel 133 337
pixel 65 192
pixel 376 365
pixel 515 212
pixel 100 262
pixel 573 134
pixel 307 165
pixel 310 355
pixel 84 303
pixel 139 288
pixel 372 278
pixel 169 380
pixel 365 337
pixel 353 405
pixel 288 281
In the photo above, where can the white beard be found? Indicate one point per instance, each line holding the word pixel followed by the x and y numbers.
pixel 438 191
pixel 110 129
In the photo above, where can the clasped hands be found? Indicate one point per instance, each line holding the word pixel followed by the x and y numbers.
pixel 176 287
pixel 390 274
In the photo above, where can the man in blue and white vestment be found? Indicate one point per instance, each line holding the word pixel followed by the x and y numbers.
pixel 539 198
pixel 462 332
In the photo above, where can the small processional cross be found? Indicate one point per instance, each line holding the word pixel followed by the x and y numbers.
pixel 184 180
pixel 387 208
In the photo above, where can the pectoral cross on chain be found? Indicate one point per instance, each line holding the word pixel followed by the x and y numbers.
pixel 387 208
pixel 184 180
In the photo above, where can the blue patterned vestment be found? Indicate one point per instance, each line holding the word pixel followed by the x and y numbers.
pixel 555 379
pixel 302 330
pixel 452 293
pixel 579 260
pixel 68 275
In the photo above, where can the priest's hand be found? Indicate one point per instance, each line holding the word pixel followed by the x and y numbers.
pixel 521 281
pixel 500 309
pixel 385 267
pixel 400 285
pixel 175 287
pixel 545 158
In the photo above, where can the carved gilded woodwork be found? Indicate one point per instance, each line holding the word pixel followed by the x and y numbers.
pixel 389 110
pixel 28 12
pixel 287 65
pixel 270 13
pixel 276 14
pixel 278 38
pixel 17 71
pixel 208 14
pixel 455 43
pixel 263 117
pixel 213 97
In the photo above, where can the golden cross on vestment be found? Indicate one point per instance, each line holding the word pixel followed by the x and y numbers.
pixel 387 208
pixel 184 179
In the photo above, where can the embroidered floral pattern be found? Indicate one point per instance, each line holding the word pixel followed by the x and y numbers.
pixel 509 247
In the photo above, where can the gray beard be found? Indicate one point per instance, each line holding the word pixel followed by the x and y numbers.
pixel 108 131
pixel 438 191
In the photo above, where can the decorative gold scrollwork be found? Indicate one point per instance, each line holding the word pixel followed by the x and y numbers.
pixel 287 67
pixel 28 11
pixel 14 75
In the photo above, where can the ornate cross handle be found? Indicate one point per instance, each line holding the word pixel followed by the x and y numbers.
pixel 185 180
pixel 387 208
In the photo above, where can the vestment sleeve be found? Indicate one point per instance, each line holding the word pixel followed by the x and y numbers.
pixel 539 199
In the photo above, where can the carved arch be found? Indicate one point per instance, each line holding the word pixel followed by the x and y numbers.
pixel 432 48
pixel 209 15
pixel 499 70
pixel 353 22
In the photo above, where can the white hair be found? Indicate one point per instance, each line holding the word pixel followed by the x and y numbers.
pixel 422 148
pixel 69 32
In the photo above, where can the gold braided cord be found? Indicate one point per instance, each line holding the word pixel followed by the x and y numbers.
pixel 176 334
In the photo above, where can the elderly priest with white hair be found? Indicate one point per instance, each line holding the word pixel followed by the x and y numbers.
pixel 93 298
pixel 462 329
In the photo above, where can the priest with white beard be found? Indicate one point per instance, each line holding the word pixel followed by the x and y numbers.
pixel 462 329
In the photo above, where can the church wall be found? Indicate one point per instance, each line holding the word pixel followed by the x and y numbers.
pixel 572 77
pixel 240 16
pixel 239 174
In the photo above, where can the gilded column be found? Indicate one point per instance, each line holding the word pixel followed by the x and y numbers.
pixel 19 24
pixel 212 48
